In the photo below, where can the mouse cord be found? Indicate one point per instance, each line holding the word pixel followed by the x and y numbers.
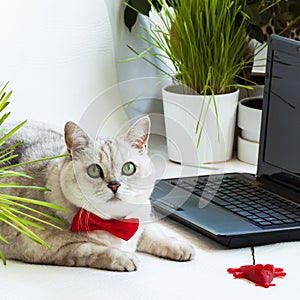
pixel 253 255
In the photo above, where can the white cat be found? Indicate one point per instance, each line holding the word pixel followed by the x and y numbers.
pixel 105 186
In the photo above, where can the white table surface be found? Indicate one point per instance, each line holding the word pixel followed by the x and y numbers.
pixel 205 277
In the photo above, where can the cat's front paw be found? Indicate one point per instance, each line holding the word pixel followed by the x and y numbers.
pixel 176 250
pixel 118 260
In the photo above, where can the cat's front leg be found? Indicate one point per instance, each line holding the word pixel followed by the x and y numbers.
pixel 103 257
pixel 70 249
pixel 155 242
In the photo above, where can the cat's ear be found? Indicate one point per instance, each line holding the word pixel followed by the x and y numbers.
pixel 76 139
pixel 138 134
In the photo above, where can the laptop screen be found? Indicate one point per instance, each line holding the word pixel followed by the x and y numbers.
pixel 279 154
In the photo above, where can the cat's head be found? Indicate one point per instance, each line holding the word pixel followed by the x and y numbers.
pixel 112 177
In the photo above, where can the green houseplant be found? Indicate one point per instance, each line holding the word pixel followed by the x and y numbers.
pixel 20 213
pixel 254 8
pixel 204 46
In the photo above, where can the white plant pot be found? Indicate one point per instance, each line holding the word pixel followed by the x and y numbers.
pixel 249 122
pixel 249 118
pixel 181 112
pixel 247 151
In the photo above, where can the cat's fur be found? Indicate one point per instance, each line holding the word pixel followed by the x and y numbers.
pixel 72 188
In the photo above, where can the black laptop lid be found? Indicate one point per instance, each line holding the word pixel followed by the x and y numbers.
pixel 279 153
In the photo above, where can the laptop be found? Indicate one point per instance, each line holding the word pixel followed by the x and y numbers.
pixel 240 209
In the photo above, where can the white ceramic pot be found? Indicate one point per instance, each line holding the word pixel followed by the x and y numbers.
pixel 249 118
pixel 249 122
pixel 247 151
pixel 182 112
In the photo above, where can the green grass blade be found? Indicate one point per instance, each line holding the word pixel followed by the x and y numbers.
pixel 3 88
pixel 3 258
pixel 17 186
pixel 4 100
pixel 35 161
pixel 3 239
pixel 10 213
pixel 24 230
pixel 32 201
pixel 3 160
pixel 36 219
pixel 4 174
pixel 11 132
pixel 4 117
pixel 28 208
pixel 11 147
pixel 5 154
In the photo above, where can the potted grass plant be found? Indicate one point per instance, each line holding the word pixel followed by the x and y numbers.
pixel 20 213
pixel 203 45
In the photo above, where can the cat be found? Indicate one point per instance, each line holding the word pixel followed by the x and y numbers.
pixel 109 178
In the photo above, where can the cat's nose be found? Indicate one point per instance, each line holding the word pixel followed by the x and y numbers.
pixel 114 185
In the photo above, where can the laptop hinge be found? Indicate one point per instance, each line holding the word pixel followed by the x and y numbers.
pixel 283 180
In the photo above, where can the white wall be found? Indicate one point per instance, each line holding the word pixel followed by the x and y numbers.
pixel 60 58
pixel 54 54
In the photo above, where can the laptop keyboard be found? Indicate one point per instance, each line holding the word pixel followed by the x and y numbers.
pixel 252 202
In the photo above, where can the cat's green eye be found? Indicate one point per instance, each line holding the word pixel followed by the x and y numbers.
pixel 95 171
pixel 128 169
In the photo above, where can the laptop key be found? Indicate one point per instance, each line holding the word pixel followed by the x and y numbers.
pixel 288 221
pixel 279 216
pixel 277 222
pixel 244 213
pixel 265 223
pixel 220 201
pixel 258 220
pixel 270 219
pixel 252 217
pixel 229 206
pixel 290 215
pixel 263 215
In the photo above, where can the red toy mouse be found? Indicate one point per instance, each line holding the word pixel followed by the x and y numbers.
pixel 261 275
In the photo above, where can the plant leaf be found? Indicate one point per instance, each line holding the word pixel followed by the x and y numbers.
pixel 35 161
pixel 39 220
pixel 10 148
pixel 32 201
pixel 130 17
pixel 13 174
pixel 3 258
pixel 11 132
pixel 15 211
pixel 142 6
pixel 16 224
pixel 28 208
pixel 17 186
pixel 255 32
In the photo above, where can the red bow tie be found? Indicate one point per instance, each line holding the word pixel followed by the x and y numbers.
pixel 87 221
